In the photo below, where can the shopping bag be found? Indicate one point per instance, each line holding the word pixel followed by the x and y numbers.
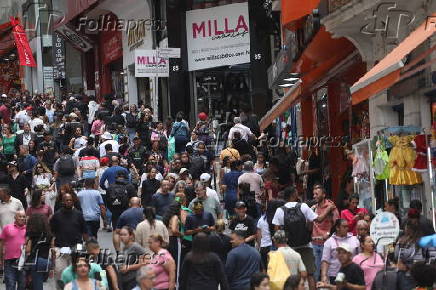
pixel 171 148
pixel 278 271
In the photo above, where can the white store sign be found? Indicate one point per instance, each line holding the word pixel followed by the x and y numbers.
pixel 148 64
pixel 218 36
pixel 384 229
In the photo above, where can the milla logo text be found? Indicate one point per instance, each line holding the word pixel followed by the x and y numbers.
pixel 387 18
pixel 216 28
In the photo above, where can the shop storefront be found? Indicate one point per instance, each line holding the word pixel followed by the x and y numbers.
pixel 399 92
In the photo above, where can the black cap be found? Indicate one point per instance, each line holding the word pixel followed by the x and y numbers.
pixel 240 204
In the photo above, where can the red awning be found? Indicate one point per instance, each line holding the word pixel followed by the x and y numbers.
pixel 320 56
pixel 296 9
pixel 388 71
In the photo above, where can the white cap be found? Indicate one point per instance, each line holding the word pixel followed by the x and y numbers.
pixel 205 177
pixel 4 96
pixel 344 247
pixel 106 136
pixel 183 170
pixel 73 115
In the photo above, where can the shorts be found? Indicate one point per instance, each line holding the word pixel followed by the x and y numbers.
pixel 308 259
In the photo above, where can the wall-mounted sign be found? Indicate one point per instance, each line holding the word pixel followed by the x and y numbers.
pixel 136 34
pixel 58 56
pixel 148 64
pixel 218 36
pixel 76 39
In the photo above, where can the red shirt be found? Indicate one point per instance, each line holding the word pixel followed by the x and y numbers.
pixel 5 114
pixel 322 229
pixel 349 217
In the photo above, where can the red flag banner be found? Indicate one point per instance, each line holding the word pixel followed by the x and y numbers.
pixel 23 47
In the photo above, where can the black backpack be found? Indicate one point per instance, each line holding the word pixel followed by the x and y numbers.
pixel 66 166
pixel 295 226
pixel 117 196
pixel 197 166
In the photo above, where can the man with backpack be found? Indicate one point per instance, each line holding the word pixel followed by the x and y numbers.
pixel 65 168
pixel 118 195
pixel 296 220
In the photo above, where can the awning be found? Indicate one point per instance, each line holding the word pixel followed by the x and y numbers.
pixel 295 9
pixel 388 71
pixel 281 106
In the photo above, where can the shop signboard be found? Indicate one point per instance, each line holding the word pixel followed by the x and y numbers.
pixel 79 41
pixel 148 64
pixel 384 229
pixel 58 56
pixel 47 74
pixel 218 36
pixel 113 47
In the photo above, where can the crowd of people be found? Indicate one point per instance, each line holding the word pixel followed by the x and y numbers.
pixel 180 217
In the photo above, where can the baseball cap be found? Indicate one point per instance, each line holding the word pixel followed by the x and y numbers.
pixel 4 96
pixel 73 115
pixel 106 136
pixel 205 177
pixel 240 204
pixel 344 247
pixel 184 170
pixel 13 163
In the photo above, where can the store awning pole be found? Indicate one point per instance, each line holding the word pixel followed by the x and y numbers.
pixel 430 173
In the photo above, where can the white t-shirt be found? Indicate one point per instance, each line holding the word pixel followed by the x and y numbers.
pixel 114 144
pixel 307 211
pixel 263 226
pixel 35 122
pixel 212 193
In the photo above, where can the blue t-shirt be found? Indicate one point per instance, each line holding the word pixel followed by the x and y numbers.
pixel 131 218
pixel 161 202
pixel 90 201
pixel 194 221
pixel 231 181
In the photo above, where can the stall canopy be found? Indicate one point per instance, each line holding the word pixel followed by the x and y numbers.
pixel 391 69
pixel 12 35
pixel 295 9
pixel 281 106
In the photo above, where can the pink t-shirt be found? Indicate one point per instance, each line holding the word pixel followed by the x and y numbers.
pixel 370 267
pixel 44 210
pixel 13 238
pixel 162 280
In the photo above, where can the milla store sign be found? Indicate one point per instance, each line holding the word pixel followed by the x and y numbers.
pixel 148 64
pixel 223 39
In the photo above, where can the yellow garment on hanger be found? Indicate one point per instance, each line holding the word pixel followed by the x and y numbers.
pixel 401 161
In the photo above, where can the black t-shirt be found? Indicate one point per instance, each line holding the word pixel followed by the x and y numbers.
pixel 246 225
pixel 67 226
pixel 41 244
pixel 220 245
pixel 353 274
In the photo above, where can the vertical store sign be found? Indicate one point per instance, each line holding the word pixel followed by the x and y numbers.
pixel 58 56
pixel 218 36
pixel 24 51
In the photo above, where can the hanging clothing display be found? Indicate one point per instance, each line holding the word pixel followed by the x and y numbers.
pixel 421 153
pixel 381 158
pixel 401 161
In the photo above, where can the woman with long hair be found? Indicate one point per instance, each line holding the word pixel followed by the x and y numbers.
pixel 202 269
pixel 66 188
pixel 148 227
pixel 81 268
pixel 163 264
pixel 39 241
pixel 43 180
pixel 38 206
pixel 265 230
pixel 261 165
pixel 353 213
pixel 368 260
pixel 132 251
pixel 7 143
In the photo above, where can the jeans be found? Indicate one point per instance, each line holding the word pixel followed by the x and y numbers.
pixel 92 227
pixel 39 272
pixel 317 252
pixel 14 279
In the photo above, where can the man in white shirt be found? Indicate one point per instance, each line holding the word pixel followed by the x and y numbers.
pixel 290 195
pixel 292 258
pixel 244 130
pixel 8 207
pixel 205 178
pixel 21 117
pixel 34 120
pixel 107 139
